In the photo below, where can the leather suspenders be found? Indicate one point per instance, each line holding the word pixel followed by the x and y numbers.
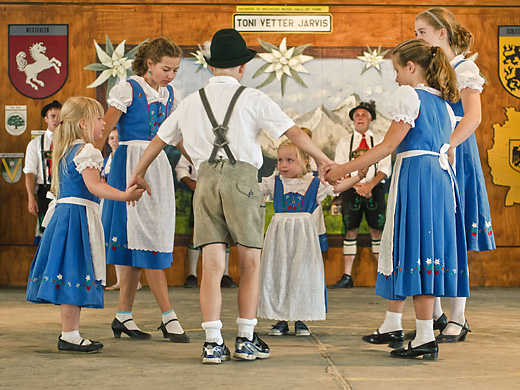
pixel 220 130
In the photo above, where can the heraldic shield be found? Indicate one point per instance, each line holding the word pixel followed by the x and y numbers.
pixel 514 154
pixel 509 58
pixel 38 58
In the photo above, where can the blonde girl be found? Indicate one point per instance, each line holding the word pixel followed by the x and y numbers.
pixel 292 274
pixel 69 266
pixel 422 254
pixel 439 27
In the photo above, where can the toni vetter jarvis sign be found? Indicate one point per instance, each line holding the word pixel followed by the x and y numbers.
pixel 38 58
pixel 287 19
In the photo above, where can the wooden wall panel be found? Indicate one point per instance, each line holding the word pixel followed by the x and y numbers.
pixel 377 22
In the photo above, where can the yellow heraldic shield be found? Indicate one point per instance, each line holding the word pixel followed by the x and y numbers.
pixel 504 156
pixel 509 58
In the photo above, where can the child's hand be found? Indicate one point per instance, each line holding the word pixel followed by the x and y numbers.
pixel 336 172
pixel 362 173
pixel 133 194
pixel 451 155
pixel 140 182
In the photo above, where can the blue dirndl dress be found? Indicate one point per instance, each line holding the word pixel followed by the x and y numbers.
pixel 292 276
pixel 472 189
pixel 423 249
pixel 140 236
pixel 62 271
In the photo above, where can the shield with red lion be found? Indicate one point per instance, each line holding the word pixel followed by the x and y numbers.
pixel 38 58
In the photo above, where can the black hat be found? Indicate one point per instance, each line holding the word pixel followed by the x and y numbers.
pixel 228 49
pixel 47 107
pixel 370 107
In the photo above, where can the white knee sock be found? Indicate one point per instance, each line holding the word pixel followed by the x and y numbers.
pixel 376 244
pixel 391 323
pixel 122 316
pixel 174 326
pixel 424 332
pixel 74 338
pixel 457 307
pixel 212 330
pixel 349 247
pixel 437 308
pixel 193 259
pixel 246 327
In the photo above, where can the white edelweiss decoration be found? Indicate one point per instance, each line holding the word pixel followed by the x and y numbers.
pixel 60 277
pixel 200 56
pixel 87 277
pixel 282 63
pixel 115 63
pixel 373 58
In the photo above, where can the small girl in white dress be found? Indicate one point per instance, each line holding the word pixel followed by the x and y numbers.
pixel 292 278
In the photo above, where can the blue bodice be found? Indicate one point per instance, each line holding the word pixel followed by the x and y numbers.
pixel 432 127
pixel 292 202
pixel 71 181
pixel 133 125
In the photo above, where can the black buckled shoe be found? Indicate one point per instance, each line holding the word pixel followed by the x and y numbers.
pixel 119 327
pixel 174 337
pixel 227 282
pixel 448 338
pixel 65 346
pixel 345 282
pixel 429 351
pixel 191 281
pixel 393 339
pixel 439 324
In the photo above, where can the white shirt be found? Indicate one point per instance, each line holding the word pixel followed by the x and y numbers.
pixel 33 156
pixel 343 154
pixel 253 112
pixel 121 95
pixel 185 169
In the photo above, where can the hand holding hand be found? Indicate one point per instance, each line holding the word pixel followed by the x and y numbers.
pixel 133 194
pixel 335 172
pixel 140 182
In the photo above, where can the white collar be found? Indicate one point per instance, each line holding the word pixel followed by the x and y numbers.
pixel 48 134
pixel 368 133
pixel 161 94
pixel 431 90
pixel 223 79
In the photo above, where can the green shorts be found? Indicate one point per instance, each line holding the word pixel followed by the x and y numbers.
pixel 228 204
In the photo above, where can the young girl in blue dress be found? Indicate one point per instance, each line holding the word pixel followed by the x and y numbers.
pixel 438 27
pixel 292 274
pixel 69 266
pixel 143 237
pixel 423 250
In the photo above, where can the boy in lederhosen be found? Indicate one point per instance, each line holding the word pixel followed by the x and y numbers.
pixel 218 127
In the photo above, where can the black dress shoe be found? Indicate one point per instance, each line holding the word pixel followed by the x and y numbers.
pixel 429 351
pixel 393 339
pixel 438 324
pixel 119 327
pixel 227 282
pixel 448 338
pixel 345 282
pixel 191 281
pixel 65 346
pixel 174 337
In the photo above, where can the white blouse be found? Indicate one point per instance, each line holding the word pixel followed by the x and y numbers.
pixel 298 185
pixel 121 95
pixel 468 74
pixel 88 157
pixel 405 104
